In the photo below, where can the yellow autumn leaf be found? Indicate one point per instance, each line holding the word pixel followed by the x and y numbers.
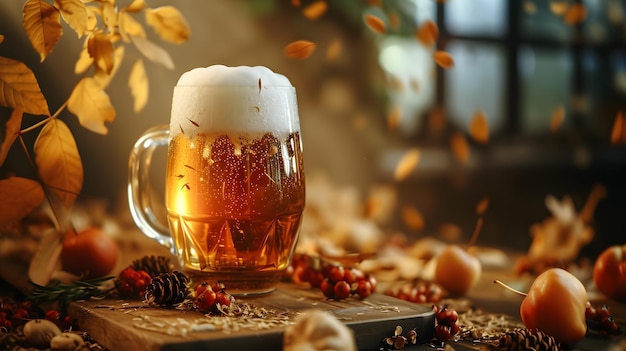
pixel 479 127
pixel 153 52
pixel 42 23
pixel 138 83
pixel 168 23
pixel 129 27
pixel 84 60
pixel 91 104
pixel 375 24
pixel 558 7
pixel 315 10
pixel 93 12
pixel 460 147
pixel 109 15
pixel 135 6
pixel 443 59
pixel 20 196
pixel 407 163
pixel 74 13
pixel 299 49
pixel 11 130
pixel 101 49
pixel 19 87
pixel 103 78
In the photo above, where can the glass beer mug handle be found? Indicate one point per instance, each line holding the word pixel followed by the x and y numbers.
pixel 139 182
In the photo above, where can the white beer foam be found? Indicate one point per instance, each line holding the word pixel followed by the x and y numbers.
pixel 233 99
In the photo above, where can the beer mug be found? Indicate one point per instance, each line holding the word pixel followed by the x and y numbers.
pixel 234 180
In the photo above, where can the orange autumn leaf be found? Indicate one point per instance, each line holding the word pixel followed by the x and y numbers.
pixel 1 38
pixel 299 49
pixel 91 104
pixel 100 48
pixel 103 78
pixel 11 131
pixel 618 133
pixel 479 127
pixel 412 218
pixel 334 49
pixel 375 24
pixel 42 23
pixel 482 206
pixel 19 87
pixel 443 59
pixel 295 3
pixel 575 14
pixel 135 6
pixel 169 24
pixel 315 10
pixel 558 116
pixel 406 165
pixel 393 118
pixel 20 196
pixel 58 161
pixel 139 87
pixel 74 13
pixel 427 33
pixel 460 147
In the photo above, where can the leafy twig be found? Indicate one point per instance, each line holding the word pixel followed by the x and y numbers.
pixel 78 290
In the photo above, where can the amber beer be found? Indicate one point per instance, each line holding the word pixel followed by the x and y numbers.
pixel 234 187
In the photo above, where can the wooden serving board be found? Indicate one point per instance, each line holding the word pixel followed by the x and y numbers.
pixel 131 325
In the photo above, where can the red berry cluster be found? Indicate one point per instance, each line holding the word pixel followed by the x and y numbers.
pixel 131 283
pixel 63 322
pixel 601 320
pixel 418 291
pixel 14 314
pixel 207 297
pixel 447 325
pixel 335 281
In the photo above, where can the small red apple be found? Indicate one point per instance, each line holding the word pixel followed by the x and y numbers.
pixel 457 271
pixel 90 253
pixel 609 272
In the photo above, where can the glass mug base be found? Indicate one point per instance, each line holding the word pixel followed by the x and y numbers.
pixel 242 283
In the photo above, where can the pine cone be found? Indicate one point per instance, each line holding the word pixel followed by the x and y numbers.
pixel 167 289
pixel 522 339
pixel 153 265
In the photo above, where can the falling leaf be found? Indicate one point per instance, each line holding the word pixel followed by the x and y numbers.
pixel 575 14
pixel 479 128
pixel 58 161
pixel 482 206
pixel 91 104
pixel 618 133
pixel 74 13
pixel 135 6
pixel 129 27
pixel 299 49
pixel 407 163
pixel 101 49
pixel 333 50
pixel 558 7
pixel 11 131
pixel 42 23
pixel 413 218
pixel 558 116
pixel 153 52
pixel 315 10
pixel 460 147
pixel 19 87
pixel 103 78
pixel 138 83
pixel 169 24
pixel 20 196
pixel 427 33
pixel 393 118
pixel 443 59
pixel 375 24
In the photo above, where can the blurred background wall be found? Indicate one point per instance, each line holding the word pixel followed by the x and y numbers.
pixel 516 61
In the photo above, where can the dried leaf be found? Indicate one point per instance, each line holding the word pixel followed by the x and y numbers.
pixel 20 196
pixel 375 24
pixel 153 52
pixel 299 49
pixel 618 133
pixel 315 10
pixel 74 13
pixel 479 127
pixel 482 206
pixel 101 49
pixel 19 87
pixel 443 59
pixel 138 83
pixel 129 27
pixel 575 14
pixel 558 116
pixel 91 104
pixel 393 118
pixel 109 15
pixel 460 147
pixel 11 131
pixel 46 259
pixel 334 49
pixel 407 163
pixel 42 23
pixel 413 218
pixel 168 23
pixel 135 6
pixel 427 33
pixel 103 78
pixel 58 161
pixel 558 7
